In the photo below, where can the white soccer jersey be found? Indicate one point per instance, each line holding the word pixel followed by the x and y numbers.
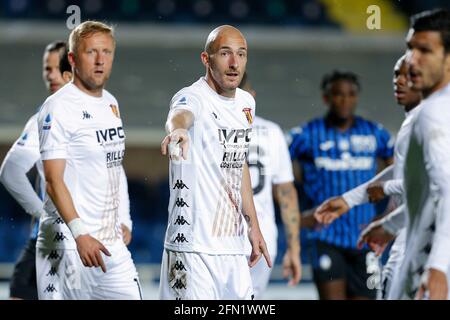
pixel 427 195
pixel 205 207
pixel 269 164
pixel 86 131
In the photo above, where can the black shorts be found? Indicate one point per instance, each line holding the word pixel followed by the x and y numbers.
pixel 335 263
pixel 23 283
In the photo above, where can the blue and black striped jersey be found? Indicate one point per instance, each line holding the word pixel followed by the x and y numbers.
pixel 334 162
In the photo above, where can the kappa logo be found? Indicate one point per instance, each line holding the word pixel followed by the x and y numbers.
pixel 86 115
pixel 50 288
pixel 59 236
pixel 248 114
pixel 58 221
pixel 181 203
pixel 54 255
pixel 179 266
pixel 180 185
pixel 47 122
pixel 115 110
pixel 181 221
pixel 179 284
pixel 53 271
pixel 180 238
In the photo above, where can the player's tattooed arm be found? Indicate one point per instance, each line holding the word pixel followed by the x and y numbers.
pixel 286 196
pixel 249 212
pixel 176 143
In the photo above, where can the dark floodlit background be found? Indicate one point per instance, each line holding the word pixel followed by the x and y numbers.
pixel 292 43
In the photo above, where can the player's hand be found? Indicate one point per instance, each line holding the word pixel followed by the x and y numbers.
pixel 330 210
pixel 375 192
pixel 89 250
pixel 176 144
pixel 258 246
pixel 376 237
pixel 435 282
pixel 126 234
pixel 292 266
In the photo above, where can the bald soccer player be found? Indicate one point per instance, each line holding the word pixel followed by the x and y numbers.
pixel 208 135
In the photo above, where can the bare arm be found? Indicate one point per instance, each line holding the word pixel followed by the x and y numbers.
pixel 88 247
pixel 249 212
pixel 57 189
pixel 124 208
pixel 290 214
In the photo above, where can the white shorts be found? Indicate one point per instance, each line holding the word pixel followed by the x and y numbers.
pixel 199 276
pixel 62 276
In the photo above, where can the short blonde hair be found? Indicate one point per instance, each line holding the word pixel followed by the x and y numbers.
pixel 87 29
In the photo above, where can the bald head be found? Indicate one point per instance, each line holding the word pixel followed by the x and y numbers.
pixel 220 35
pixel 225 59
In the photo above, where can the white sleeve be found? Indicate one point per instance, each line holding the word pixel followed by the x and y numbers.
pixel 184 100
pixel 15 180
pixel 54 135
pixel 436 142
pixel 395 220
pixel 13 173
pixel 124 204
pixel 283 171
pixel 358 195
pixel 393 187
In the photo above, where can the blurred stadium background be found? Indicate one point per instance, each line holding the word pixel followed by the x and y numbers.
pixel 292 43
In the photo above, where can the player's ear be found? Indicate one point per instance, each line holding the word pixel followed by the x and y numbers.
pixel 67 76
pixel 205 58
pixel 447 61
pixel 71 57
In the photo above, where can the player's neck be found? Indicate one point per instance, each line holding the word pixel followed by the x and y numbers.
pixel 339 123
pixel 96 93
pixel 439 86
pixel 215 86
pixel 409 107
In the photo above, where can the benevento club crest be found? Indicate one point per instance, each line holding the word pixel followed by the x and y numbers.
pixel 248 114
pixel 115 110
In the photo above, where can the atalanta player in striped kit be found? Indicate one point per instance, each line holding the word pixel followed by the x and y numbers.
pixel 337 153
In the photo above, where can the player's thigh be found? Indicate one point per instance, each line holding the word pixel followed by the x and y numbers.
pixel 23 281
pixel 195 276
pixel 234 273
pixel 121 281
pixel 329 271
pixel 186 276
pixel 260 274
pixel 62 276
pixel 328 262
